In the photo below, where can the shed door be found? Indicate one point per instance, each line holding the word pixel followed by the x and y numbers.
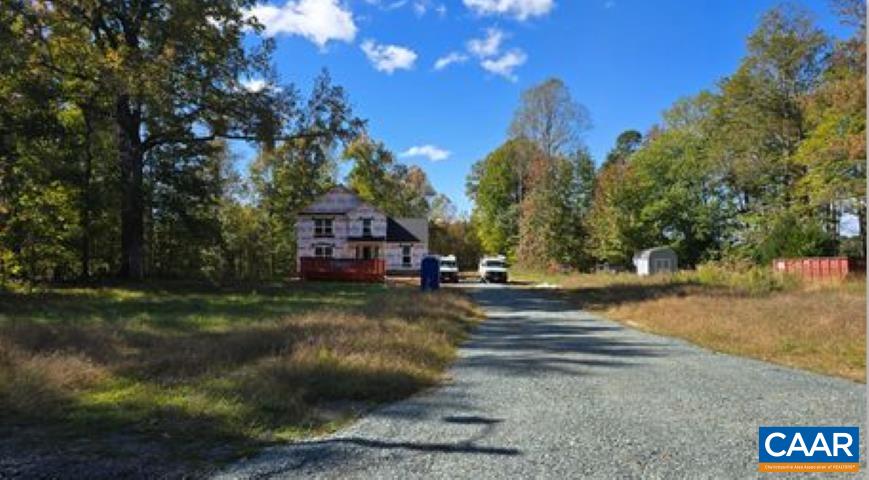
pixel 663 265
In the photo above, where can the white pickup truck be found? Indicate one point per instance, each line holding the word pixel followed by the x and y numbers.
pixel 493 269
pixel 449 269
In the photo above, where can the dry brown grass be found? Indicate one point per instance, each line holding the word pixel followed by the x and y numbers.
pixel 241 368
pixel 819 330
pixel 817 326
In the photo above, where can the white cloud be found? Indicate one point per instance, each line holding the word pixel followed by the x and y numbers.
pixel 519 9
pixel 488 46
pixel 320 21
pixel 254 85
pixel 505 64
pixel 419 7
pixel 388 58
pixel 435 154
pixel 488 51
pixel 449 59
pixel 395 5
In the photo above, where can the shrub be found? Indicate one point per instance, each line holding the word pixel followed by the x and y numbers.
pixel 742 276
pixel 790 235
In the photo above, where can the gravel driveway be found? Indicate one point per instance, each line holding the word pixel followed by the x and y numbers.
pixel 543 390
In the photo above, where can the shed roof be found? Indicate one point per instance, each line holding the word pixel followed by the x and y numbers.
pixel 649 251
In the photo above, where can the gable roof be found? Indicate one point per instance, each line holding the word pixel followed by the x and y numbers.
pixel 325 204
pixel 418 227
pixel 396 232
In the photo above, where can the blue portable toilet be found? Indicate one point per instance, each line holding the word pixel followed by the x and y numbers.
pixel 430 273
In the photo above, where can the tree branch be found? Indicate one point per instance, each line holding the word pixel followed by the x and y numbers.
pixel 156 140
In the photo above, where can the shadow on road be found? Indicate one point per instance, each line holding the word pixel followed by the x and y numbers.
pixel 459 447
pixel 531 331
pixel 607 296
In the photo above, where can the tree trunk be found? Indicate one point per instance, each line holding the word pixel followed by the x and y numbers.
pixel 87 202
pixel 86 228
pixel 130 159
pixel 861 215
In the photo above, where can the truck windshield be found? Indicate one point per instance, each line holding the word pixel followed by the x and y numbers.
pixel 495 264
pixel 448 264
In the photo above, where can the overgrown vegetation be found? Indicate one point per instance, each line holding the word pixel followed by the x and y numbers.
pixel 742 310
pixel 116 156
pixel 765 164
pixel 198 369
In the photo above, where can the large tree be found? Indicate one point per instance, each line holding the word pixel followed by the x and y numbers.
pixel 495 185
pixel 173 72
pixel 549 117
pixel 626 144
pixel 833 153
pixel 760 118
pixel 551 124
pixel 397 189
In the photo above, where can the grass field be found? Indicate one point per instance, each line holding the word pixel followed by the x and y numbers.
pixel 214 371
pixel 819 327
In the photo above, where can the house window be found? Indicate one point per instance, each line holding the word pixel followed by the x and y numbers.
pixel 323 251
pixel 405 255
pixel 366 227
pixel 323 227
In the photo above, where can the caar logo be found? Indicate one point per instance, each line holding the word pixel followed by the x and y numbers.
pixel 808 449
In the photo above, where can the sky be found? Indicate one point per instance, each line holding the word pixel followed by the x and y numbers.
pixel 438 80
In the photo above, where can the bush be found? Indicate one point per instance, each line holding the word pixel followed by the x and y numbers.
pixel 790 235
pixel 742 276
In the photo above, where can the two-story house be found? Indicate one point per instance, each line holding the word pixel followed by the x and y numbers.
pixel 339 236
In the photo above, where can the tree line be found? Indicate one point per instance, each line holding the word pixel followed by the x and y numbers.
pixel 765 164
pixel 117 121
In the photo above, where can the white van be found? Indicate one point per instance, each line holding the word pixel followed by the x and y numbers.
pixel 449 269
pixel 493 269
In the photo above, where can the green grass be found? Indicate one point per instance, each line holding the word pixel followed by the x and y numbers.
pixel 200 369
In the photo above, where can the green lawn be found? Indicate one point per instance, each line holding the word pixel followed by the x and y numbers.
pixel 201 369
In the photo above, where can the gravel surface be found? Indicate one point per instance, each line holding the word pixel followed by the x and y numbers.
pixel 543 390
pixel 28 454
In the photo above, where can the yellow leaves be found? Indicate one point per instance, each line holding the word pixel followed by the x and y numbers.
pixel 113 59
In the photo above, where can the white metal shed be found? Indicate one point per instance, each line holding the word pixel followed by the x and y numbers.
pixel 656 260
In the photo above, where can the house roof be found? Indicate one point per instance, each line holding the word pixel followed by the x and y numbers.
pixel 397 232
pixel 417 226
pixel 322 205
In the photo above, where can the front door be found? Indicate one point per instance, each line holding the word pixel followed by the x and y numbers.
pixel 367 252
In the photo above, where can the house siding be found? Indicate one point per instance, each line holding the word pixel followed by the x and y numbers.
pixel 355 218
pixel 306 240
pixel 393 256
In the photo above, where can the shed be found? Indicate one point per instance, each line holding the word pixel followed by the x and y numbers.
pixel 656 260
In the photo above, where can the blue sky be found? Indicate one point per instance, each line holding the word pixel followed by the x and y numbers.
pixel 626 61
